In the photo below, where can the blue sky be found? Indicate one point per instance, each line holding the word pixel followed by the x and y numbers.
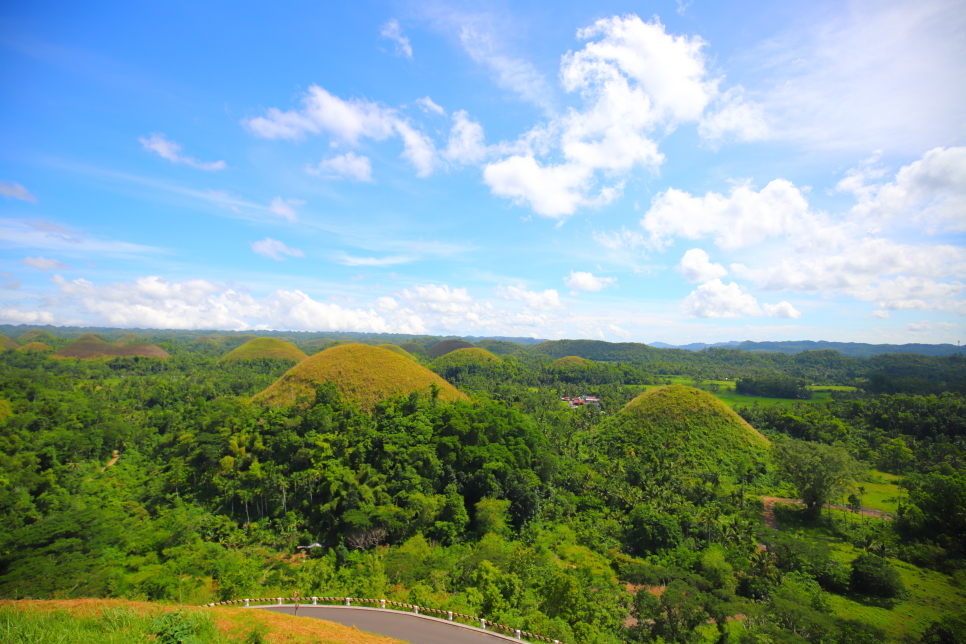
pixel 617 170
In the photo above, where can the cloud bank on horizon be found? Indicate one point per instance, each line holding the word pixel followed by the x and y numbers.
pixel 444 171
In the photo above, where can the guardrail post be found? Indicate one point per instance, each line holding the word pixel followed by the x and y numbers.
pixel 279 600
pixel 518 633
pixel 416 609
pixel 315 601
pixel 482 623
pixel 348 601
pixel 246 603
pixel 449 616
pixel 382 603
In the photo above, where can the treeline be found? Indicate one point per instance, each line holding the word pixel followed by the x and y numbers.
pixel 773 388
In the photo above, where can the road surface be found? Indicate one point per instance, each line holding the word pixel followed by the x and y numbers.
pixel 418 629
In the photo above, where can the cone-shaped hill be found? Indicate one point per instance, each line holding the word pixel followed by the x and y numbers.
pixel 678 425
pixel 396 349
pixel 37 335
pixel 34 346
pixel 363 374
pixel 265 348
pixel 571 362
pixel 413 348
pixel 7 343
pixel 443 347
pixel 129 338
pixel 466 357
pixel 91 346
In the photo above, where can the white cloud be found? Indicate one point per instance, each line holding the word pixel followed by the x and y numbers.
pixel 344 166
pixel 718 300
pixel 622 239
pixel 734 118
pixel 781 310
pixel 350 260
pixel 545 301
pixel 867 72
pixel 581 281
pixel 44 235
pixel 274 249
pixel 44 264
pixel 393 32
pixel 931 190
pixel 634 78
pixel 286 208
pixel 743 218
pixel 879 314
pixel 167 149
pixel 623 334
pixel 432 294
pixel 153 302
pixel 429 106
pixel 17 191
pixel 348 121
pixel 15 316
pixel 466 140
pixel 696 266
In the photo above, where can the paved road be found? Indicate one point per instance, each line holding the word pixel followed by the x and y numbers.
pixel 418 629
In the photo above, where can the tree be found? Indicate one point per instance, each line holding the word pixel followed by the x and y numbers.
pixel 818 472
pixel 874 575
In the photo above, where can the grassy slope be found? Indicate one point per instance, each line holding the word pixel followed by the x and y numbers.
pixel 446 346
pixel 572 362
pixel 265 348
pixel 7 343
pixel 34 346
pixel 91 346
pixel 115 621
pixel 37 335
pixel 362 373
pixel 470 356
pixel 931 593
pixel 395 349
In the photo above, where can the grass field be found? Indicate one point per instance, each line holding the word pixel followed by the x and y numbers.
pixel 727 394
pixel 115 621
pixel 931 594
pixel 881 491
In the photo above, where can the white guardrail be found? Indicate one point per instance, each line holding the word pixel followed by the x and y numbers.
pixel 387 604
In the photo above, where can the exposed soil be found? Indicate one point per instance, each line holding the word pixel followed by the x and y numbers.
pixel 772 522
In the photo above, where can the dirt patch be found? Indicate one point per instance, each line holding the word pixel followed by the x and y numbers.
pixel 772 522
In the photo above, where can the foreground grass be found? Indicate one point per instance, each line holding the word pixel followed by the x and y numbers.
pixel 113 621
pixel 931 594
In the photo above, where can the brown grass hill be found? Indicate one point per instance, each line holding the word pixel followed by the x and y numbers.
pixel 571 362
pixel 413 348
pixel 465 357
pixel 7 343
pixel 443 347
pixel 129 338
pixel 321 342
pixel 396 349
pixel 685 429
pixel 265 348
pixel 500 347
pixel 34 346
pixel 38 335
pixel 90 346
pixel 363 374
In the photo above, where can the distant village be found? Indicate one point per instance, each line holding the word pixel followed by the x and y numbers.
pixel 578 401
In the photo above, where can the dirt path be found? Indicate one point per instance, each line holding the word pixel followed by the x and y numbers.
pixel 112 461
pixel 772 522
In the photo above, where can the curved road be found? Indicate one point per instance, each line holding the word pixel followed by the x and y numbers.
pixel 418 629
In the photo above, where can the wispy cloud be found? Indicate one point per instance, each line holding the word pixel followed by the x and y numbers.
pixel 44 235
pixel 17 191
pixel 44 264
pixel 350 260
pixel 274 249
pixel 344 166
pixel 167 149
pixel 392 31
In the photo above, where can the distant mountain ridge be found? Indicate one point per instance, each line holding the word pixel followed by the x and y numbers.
pixel 850 349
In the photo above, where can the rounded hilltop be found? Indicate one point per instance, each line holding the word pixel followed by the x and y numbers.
pixel 678 422
pixel 265 348
pixel 90 346
pixel 396 349
pixel 7 343
pixel 443 347
pixel 571 362
pixel 34 346
pixel 466 357
pixel 363 374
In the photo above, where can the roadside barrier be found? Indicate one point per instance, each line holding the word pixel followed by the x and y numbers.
pixel 388 604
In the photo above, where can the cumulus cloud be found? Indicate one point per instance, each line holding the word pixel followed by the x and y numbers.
pixel 42 263
pixel 16 316
pixel 392 31
pixel 347 121
pixel 274 249
pixel 930 190
pixel 581 281
pixel 623 334
pixel 545 300
pixel 696 266
pixel 343 166
pixel 879 314
pixel 781 310
pixel 719 300
pixel 17 191
pixel 466 140
pixel 634 78
pixel 743 218
pixel 286 208
pixel 734 118
pixel 168 149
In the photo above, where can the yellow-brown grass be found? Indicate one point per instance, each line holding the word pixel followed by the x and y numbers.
pixel 363 374
pixel 395 349
pixel 446 346
pixel 413 348
pixel 7 343
pixel 34 346
pixel 572 362
pixel 37 335
pixel 129 338
pixel 233 623
pixel 321 342
pixel 265 348
pixel 466 357
pixel 90 346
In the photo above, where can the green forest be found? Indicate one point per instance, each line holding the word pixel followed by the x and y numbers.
pixel 713 496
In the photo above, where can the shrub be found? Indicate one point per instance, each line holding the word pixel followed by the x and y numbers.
pixel 872 575
pixel 949 629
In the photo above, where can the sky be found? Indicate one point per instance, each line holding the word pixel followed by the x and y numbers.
pixel 625 171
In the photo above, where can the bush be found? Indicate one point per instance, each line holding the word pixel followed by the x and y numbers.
pixel 949 629
pixel 875 576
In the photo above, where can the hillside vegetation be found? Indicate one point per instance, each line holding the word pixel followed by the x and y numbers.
pixel 446 346
pixel 257 348
pixel 395 349
pixel 90 346
pixel 34 346
pixel 363 374
pixel 7 343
